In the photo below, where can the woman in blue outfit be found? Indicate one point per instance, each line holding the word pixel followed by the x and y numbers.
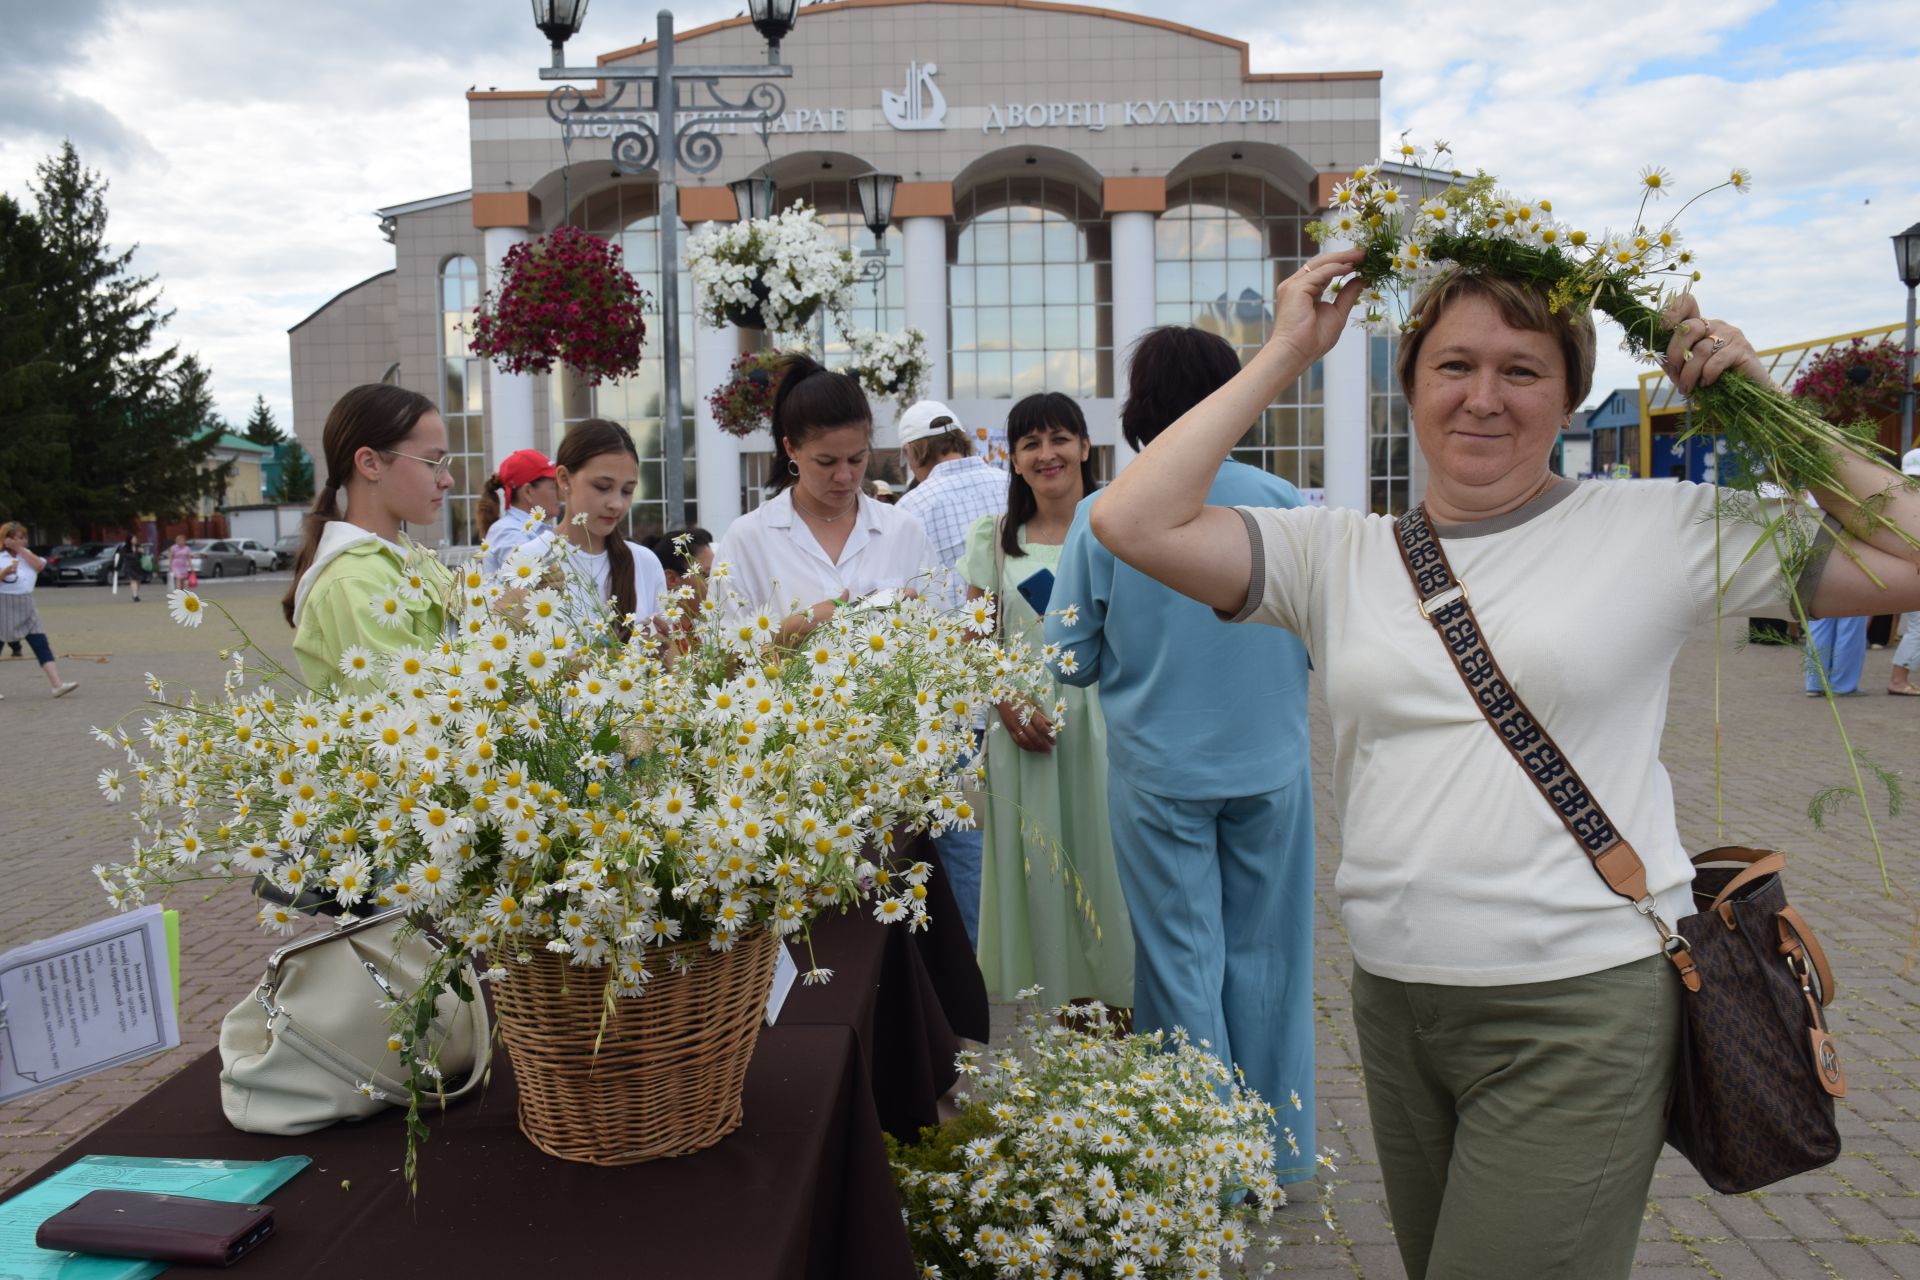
pixel 1208 787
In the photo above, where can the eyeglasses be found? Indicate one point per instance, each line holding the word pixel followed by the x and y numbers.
pixel 441 468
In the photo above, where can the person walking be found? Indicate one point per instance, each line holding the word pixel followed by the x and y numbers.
pixel 526 481
pixel 179 563
pixel 387 466
pixel 126 565
pixel 953 489
pixel 1210 789
pixel 1836 656
pixel 1052 913
pixel 1517 1020
pixel 19 571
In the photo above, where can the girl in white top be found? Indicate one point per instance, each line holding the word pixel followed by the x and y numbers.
pixel 819 541
pixel 598 468
pixel 19 569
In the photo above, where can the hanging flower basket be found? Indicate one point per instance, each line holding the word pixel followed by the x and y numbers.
pixel 1857 380
pixel 772 273
pixel 743 404
pixel 563 299
pixel 890 364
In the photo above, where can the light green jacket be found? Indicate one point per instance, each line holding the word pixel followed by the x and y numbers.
pixel 333 606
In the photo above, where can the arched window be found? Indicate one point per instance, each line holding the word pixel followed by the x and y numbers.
pixel 879 304
pixel 462 399
pixel 1029 291
pixel 1219 247
pixel 629 216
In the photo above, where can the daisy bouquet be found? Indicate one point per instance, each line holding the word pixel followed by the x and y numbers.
pixel 1454 222
pixel 1083 1153
pixel 532 784
pixel 778 270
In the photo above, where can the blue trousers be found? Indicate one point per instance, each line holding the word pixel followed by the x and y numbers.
pixel 1840 646
pixel 1221 897
pixel 962 849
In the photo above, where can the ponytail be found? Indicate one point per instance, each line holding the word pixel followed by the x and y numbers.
pixel 808 400
pixel 491 503
pixel 376 416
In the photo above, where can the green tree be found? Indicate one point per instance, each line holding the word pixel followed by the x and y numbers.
pixel 261 427
pixel 33 426
pixel 296 475
pixel 138 417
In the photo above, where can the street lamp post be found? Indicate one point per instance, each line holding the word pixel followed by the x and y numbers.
pixel 665 136
pixel 1906 253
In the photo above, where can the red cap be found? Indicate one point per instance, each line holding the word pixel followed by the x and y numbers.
pixel 523 466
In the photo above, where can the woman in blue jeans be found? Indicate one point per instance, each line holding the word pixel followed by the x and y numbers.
pixel 1209 789
pixel 19 570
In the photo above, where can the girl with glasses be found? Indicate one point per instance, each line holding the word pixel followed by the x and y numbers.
pixel 387 466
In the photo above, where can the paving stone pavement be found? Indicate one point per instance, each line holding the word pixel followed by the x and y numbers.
pixel 1856 1220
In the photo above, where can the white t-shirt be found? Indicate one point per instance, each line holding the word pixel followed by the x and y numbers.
pixel 775 562
pixel 649 578
pixel 1454 869
pixel 23 581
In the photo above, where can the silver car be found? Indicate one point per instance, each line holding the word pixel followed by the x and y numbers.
pixel 259 552
pixel 218 557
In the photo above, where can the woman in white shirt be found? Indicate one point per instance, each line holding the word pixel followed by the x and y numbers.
pixel 819 540
pixel 598 468
pixel 19 570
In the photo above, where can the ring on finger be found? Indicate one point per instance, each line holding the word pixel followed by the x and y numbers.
pixel 1717 344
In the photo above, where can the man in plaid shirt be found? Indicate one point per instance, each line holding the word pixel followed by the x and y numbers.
pixel 953 488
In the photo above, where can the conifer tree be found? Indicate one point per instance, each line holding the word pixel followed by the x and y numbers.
pixel 33 427
pixel 261 427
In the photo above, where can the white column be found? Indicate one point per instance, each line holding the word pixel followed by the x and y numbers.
pixel 1134 303
pixel 716 453
pixel 1345 422
pixel 510 395
pixel 925 245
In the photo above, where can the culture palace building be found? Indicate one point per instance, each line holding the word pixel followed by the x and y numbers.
pixel 1069 178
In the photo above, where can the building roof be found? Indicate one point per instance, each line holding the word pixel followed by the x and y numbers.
pixel 228 440
pixel 336 297
pixel 421 206
pixel 1621 408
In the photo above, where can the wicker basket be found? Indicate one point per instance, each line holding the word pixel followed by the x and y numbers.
pixel 671 1063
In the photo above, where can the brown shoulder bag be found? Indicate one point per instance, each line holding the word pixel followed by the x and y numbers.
pixel 1756 1072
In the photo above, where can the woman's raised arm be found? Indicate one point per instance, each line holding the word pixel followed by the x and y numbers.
pixel 1154 516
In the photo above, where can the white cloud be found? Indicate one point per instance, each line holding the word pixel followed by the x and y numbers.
pixel 248 144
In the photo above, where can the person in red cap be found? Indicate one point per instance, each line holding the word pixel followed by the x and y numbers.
pixel 525 481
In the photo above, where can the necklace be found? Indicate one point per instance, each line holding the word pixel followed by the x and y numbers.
pixel 826 519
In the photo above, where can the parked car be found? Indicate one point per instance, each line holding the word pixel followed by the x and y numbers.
pixel 218 557
pixel 259 552
pixel 286 550
pixel 81 562
pixel 53 555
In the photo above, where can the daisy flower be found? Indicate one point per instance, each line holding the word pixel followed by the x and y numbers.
pixel 188 609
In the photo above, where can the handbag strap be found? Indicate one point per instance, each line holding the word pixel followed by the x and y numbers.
pixel 348 1067
pixel 1442 600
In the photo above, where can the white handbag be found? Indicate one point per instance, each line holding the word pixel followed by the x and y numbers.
pixel 295 1054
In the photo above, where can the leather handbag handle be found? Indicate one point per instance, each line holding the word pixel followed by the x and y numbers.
pixel 1790 919
pixel 1760 862
pixel 1442 600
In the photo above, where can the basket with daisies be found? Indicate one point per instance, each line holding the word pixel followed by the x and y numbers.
pixel 545 797
pixel 1079 1152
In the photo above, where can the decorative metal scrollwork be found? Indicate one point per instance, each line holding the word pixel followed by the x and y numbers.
pixel 699 151
pixel 634 126
pixel 636 149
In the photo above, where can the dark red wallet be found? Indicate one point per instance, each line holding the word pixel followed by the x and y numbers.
pixel 166 1228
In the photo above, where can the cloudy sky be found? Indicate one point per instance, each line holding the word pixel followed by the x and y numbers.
pixel 248 144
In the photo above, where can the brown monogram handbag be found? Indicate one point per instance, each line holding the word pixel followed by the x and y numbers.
pixel 1756 1072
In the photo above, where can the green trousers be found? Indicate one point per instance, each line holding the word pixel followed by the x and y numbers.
pixel 1517 1126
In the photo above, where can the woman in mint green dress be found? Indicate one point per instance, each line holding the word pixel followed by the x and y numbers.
pixel 1051 910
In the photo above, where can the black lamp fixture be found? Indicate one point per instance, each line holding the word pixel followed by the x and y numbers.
pixel 753 197
pixel 559 21
pixel 876 200
pixel 1906 253
pixel 773 19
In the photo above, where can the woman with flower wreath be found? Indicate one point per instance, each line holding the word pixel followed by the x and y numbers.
pixel 1517 1019
pixel 361 586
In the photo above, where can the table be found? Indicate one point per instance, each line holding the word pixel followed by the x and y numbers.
pixel 801 1190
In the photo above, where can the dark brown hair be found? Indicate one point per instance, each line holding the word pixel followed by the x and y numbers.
pixel 1173 368
pixel 1041 412
pixel 488 509
pixel 584 442
pixel 1523 305
pixel 376 416
pixel 811 399
pixel 674 557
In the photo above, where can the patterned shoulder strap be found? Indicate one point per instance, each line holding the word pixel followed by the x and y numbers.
pixel 1442 601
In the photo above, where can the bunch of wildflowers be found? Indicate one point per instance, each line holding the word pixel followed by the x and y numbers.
pixel 1082 1153
pixel 786 267
pixel 888 364
pixel 531 783
pixel 563 298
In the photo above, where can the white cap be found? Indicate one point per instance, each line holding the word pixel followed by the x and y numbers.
pixel 927 418
pixel 1911 463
